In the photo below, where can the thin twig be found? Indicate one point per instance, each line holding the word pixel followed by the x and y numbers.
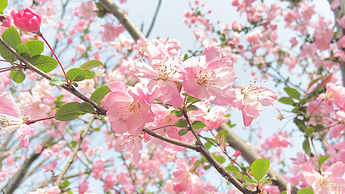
pixel 75 151
pixel 70 89
pixel 154 18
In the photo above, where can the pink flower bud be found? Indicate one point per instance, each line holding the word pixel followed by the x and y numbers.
pixel 27 19
pixel 237 153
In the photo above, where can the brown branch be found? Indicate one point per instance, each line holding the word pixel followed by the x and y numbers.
pixel 71 89
pixel 172 141
pixel 15 181
pixel 75 151
pixel 122 17
pixel 250 156
pixel 203 150
pixel 154 18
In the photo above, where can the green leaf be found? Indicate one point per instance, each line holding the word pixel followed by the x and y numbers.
pixel 68 112
pixel 246 178
pixel 259 168
pixel 208 145
pixel 284 192
pixel 322 159
pixel 178 114
pixel 223 133
pixel 99 94
pixel 73 143
pixel 91 64
pixel 181 123
pixel 293 93
pixel 232 169
pixel 219 159
pixel 89 74
pixel 12 38
pixel 76 74
pixel 306 146
pixel 192 107
pixel 17 76
pixel 308 131
pixel 55 82
pixel 318 127
pixel 191 99
pixel 286 100
pixel 211 140
pixel 198 125
pixel 65 184
pixel 21 49
pixel 3 4
pixel 44 63
pixel 86 107
pixel 182 132
pixel 305 191
pixel 35 47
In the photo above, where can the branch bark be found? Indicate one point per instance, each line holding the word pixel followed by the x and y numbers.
pixel 16 180
pixel 122 17
pixel 250 156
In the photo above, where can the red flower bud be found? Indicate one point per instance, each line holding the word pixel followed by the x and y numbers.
pixel 27 19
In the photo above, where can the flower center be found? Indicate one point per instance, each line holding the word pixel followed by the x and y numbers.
pixel 203 78
pixel 165 70
pixel 129 109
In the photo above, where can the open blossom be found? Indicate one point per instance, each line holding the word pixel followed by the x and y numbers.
pixel 127 111
pixel 50 167
pixel 327 182
pixel 11 119
pixel 251 99
pixel 210 77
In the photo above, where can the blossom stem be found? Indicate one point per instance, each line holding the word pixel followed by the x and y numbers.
pixel 63 70
pixel 28 122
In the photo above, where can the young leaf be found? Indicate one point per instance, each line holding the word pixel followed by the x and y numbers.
pixel 17 76
pixel 12 38
pixel 191 107
pixel 3 4
pixel 305 191
pixel 198 125
pixel 99 94
pixel 86 107
pixel 286 100
pixel 208 145
pixel 232 169
pixel 76 74
pixel 322 159
pixel 65 184
pixel 68 112
pixel 223 133
pixel 306 146
pixel 22 48
pixel 44 63
pixel 91 64
pixel 35 47
pixel 293 93
pixel 182 132
pixel 259 168
pixel 219 158
pixel 89 74
pixel 181 123
pixel 55 82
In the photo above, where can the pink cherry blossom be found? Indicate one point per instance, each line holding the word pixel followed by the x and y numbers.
pixel 87 11
pixel 251 99
pixel 109 183
pixel 210 77
pixel 127 111
pixel 50 167
pixel 328 181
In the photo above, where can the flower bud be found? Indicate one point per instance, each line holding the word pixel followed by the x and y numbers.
pixel 27 19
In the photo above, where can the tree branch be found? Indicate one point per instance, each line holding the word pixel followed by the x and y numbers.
pixel 71 89
pixel 250 156
pixel 15 181
pixel 76 149
pixel 122 17
pixel 154 18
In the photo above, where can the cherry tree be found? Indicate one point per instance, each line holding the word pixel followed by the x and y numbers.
pixel 103 108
